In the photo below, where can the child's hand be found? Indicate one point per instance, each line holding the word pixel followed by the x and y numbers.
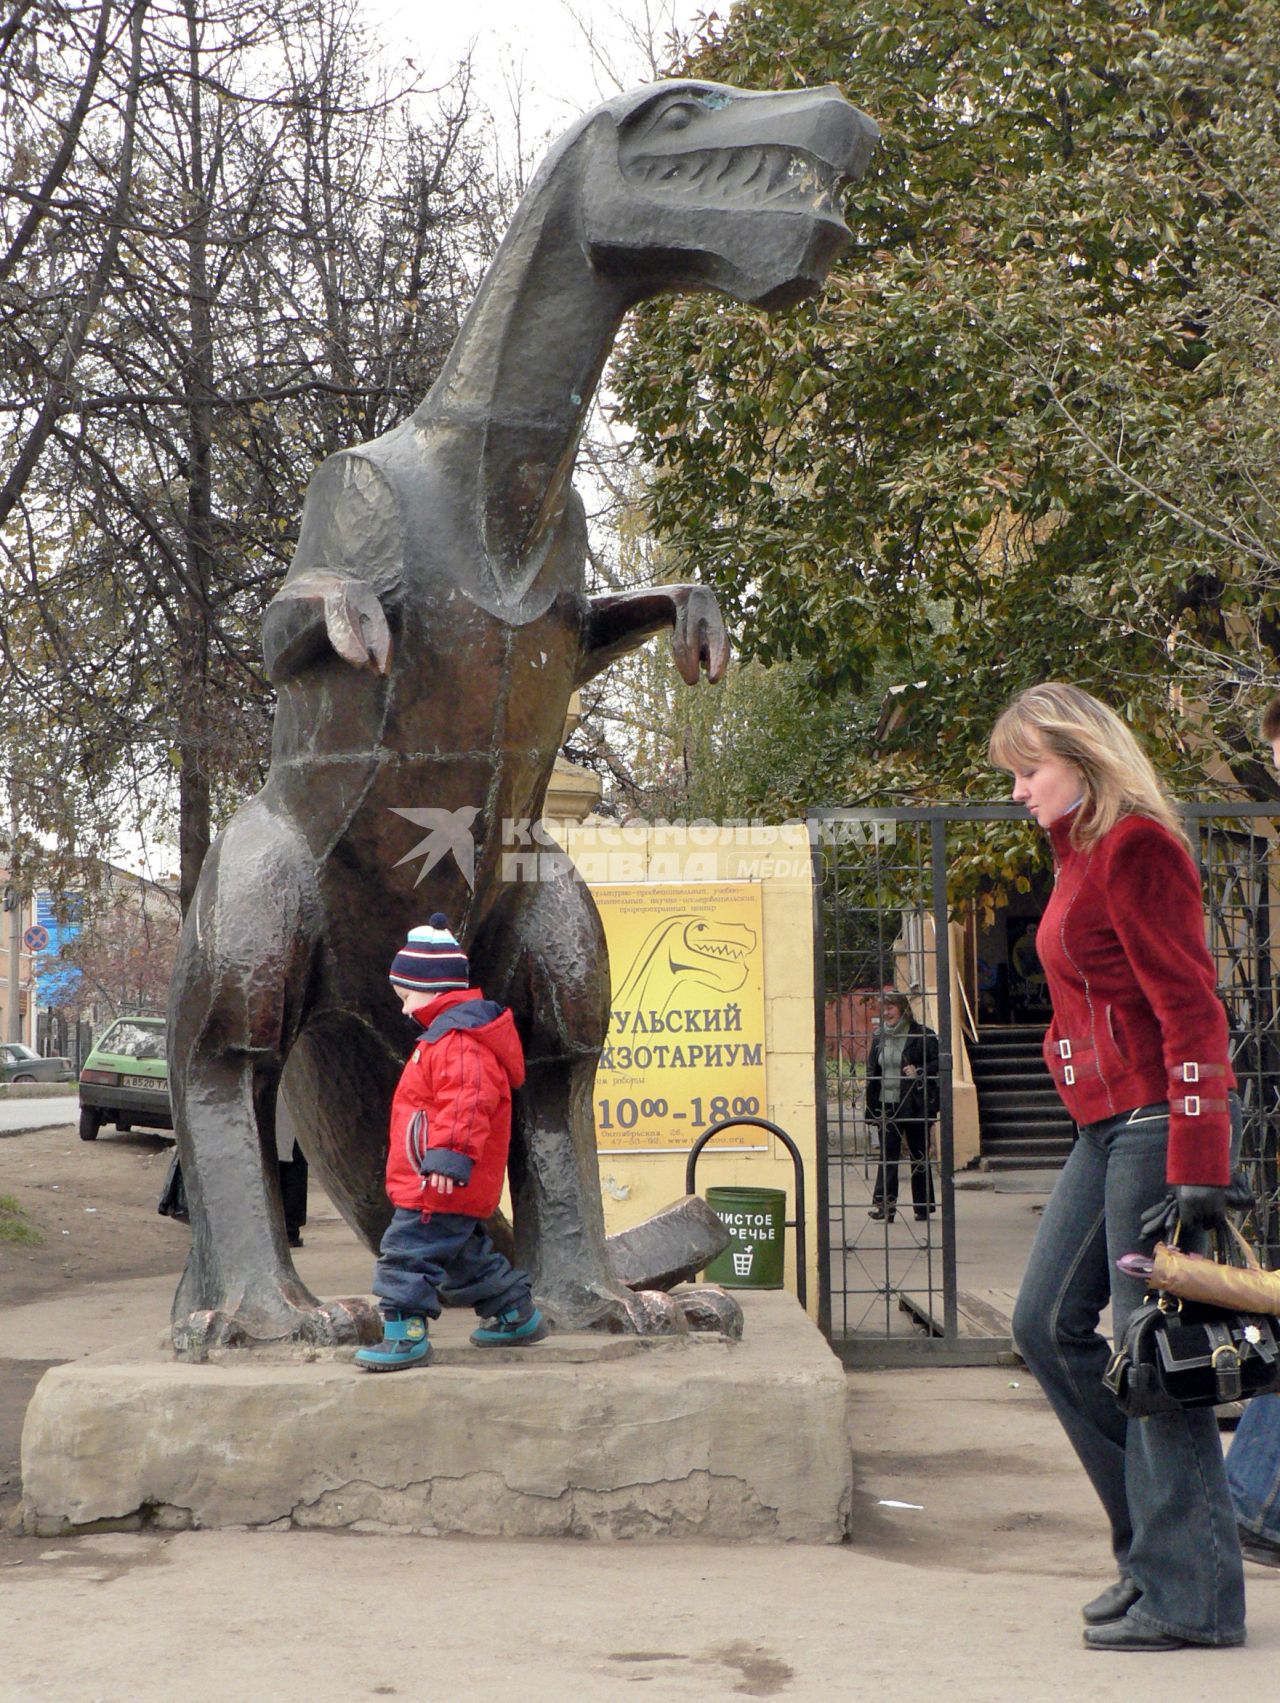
pixel 438 1180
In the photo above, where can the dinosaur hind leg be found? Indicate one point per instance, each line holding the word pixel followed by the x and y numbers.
pixel 238 999
pixel 543 953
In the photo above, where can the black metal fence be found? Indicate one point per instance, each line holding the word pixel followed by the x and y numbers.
pixel 882 906
pixel 1239 857
pixel 58 1036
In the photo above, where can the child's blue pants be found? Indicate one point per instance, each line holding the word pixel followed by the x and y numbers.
pixel 447 1251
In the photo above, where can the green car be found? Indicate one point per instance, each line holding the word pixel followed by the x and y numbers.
pixel 125 1079
pixel 19 1064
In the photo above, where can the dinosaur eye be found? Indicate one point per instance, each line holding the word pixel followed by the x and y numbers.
pixel 678 117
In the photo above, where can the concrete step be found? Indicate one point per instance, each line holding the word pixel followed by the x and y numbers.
pixel 1025 1064
pixel 1039 1099
pixel 1040 1157
pixel 1044 1121
pixel 1021 1117
pixel 1027 1129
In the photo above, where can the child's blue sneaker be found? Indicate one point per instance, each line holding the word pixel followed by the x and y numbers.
pixel 404 1343
pixel 511 1329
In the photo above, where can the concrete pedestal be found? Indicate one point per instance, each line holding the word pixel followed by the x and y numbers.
pixel 578 1436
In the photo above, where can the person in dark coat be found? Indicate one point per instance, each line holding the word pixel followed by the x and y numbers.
pixel 903 1097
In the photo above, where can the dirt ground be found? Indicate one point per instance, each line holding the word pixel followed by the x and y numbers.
pixel 976 1538
pixel 93 1207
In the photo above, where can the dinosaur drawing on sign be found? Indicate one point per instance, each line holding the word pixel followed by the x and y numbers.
pixel 682 950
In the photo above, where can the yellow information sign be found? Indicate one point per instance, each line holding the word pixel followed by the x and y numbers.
pixel 686 1034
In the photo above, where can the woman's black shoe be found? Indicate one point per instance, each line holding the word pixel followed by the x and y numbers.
pixel 879 1212
pixel 1260 1549
pixel 1126 1634
pixel 1113 1603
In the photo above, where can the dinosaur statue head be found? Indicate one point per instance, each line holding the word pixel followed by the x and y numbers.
pixel 696 186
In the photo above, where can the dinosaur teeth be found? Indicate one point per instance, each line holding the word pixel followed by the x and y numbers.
pixel 767 175
pixel 779 171
pixel 739 171
pixel 760 166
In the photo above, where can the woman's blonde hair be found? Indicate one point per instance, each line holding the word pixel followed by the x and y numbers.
pixel 1072 725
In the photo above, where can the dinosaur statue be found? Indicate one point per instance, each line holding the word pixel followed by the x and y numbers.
pixel 424 645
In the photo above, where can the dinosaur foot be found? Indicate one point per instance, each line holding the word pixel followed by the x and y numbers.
pixel 606 1305
pixel 326 1324
pixel 645 1312
pixel 709 1308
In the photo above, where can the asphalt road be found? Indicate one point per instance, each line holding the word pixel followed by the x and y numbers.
pixel 17 1115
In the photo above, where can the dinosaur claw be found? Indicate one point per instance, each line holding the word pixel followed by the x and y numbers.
pixel 357 627
pixel 699 641
pixel 327 1324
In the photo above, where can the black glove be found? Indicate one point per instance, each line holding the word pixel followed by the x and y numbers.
pixel 1195 1208
pixel 1159 1219
pixel 1202 1213
pixel 1240 1195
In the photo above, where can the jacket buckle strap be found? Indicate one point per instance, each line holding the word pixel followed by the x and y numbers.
pixel 1192 1071
pixel 1195 1106
pixel 1064 1049
pixel 1068 1075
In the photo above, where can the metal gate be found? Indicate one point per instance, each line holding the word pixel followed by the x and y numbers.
pixel 1239 856
pixel 890 1294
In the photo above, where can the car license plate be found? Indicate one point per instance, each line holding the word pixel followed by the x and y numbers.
pixel 142 1082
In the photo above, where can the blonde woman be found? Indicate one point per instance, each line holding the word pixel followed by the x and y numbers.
pixel 1138 1049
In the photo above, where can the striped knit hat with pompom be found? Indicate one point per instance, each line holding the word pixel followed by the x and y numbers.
pixel 431 961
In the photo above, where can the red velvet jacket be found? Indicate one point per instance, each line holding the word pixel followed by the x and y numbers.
pixel 1136 1018
pixel 452 1108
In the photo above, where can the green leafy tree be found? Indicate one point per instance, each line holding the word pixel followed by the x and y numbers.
pixel 1029 429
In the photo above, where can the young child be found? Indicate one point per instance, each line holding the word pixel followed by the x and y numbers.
pixel 450 1131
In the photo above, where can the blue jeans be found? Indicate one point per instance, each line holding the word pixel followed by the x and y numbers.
pixel 1253 1468
pixel 450 1251
pixel 1161 1480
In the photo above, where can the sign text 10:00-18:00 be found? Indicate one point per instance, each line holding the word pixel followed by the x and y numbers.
pixel 626 1113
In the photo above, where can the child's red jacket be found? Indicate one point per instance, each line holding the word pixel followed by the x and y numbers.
pixel 452 1109
pixel 1136 1016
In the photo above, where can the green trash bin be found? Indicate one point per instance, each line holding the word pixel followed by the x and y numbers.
pixel 757 1221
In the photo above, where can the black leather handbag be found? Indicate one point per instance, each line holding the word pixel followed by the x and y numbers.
pixel 1177 1354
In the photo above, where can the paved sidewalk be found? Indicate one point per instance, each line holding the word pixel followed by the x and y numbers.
pixel 976 1539
pixel 21 1114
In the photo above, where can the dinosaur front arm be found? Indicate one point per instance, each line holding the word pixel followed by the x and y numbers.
pixel 620 621
pixel 320 613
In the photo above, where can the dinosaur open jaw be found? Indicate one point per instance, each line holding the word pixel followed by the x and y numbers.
pixel 768 175
pixel 727 950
